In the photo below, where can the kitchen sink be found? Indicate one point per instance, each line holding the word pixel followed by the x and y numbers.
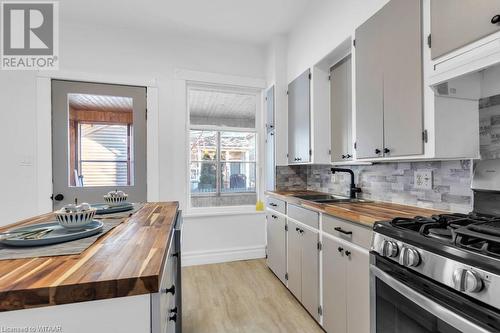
pixel 327 198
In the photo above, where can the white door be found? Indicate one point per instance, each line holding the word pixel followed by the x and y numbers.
pixel 98 141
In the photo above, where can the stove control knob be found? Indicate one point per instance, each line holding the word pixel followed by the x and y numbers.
pixel 409 257
pixel 389 249
pixel 467 280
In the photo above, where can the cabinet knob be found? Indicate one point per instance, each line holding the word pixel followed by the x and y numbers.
pixel 348 156
pixel 173 317
pixel 387 150
pixel 348 253
pixel 340 249
pixel 170 290
pixel 344 156
pixel 495 19
pixel 274 217
pixel 377 151
pixel 174 310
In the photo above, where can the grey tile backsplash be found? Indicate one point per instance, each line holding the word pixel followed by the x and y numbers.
pixel 390 182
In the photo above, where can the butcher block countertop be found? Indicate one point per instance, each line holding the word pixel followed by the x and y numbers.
pixel 126 261
pixel 365 213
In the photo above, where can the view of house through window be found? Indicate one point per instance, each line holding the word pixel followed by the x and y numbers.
pixel 100 140
pixel 222 138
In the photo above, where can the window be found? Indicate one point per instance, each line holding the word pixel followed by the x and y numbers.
pixel 100 140
pixel 104 154
pixel 223 153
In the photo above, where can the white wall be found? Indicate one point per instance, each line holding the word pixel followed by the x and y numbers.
pixel 322 28
pixel 120 52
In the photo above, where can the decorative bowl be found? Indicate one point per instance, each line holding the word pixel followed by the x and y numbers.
pixel 115 199
pixel 75 219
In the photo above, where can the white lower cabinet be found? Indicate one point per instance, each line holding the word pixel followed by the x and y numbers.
pixel 346 297
pixel 276 244
pixel 303 266
pixel 293 254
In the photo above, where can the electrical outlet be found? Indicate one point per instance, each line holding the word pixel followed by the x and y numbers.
pixel 423 179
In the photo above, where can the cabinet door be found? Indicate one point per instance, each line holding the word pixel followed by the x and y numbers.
pixel 457 23
pixel 276 244
pixel 270 161
pixel 270 109
pixel 341 111
pixel 310 271
pixel 358 291
pixel 402 64
pixel 299 122
pixel 294 257
pixel 369 87
pixel 334 283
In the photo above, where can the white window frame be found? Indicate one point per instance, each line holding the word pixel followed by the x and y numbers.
pixel 257 92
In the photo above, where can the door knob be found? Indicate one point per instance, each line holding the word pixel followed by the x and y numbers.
pixel 495 19
pixel 57 197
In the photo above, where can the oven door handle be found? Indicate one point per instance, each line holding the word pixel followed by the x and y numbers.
pixel 427 304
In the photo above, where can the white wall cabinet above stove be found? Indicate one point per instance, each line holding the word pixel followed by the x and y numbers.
pixel 455 24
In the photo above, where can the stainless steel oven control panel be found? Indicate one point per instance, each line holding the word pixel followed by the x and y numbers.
pixel 479 284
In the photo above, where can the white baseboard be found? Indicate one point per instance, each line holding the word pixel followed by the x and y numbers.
pixel 224 255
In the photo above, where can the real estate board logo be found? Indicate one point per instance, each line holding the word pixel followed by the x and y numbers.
pixel 30 35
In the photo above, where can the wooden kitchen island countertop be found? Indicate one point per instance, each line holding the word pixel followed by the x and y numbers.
pixel 126 261
pixel 366 213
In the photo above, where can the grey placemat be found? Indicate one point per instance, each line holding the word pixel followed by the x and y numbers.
pixel 74 247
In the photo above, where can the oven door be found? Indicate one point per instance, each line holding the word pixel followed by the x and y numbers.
pixel 403 301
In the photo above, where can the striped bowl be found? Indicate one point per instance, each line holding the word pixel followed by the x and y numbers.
pixel 75 220
pixel 115 200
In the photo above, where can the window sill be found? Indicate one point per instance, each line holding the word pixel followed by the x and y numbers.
pixel 222 211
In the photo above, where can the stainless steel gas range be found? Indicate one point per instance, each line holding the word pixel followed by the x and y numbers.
pixel 438 274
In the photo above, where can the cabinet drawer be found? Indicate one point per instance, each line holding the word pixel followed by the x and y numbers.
pixel 303 215
pixel 352 232
pixel 276 204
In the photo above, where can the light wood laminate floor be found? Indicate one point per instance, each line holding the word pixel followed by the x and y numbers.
pixel 240 297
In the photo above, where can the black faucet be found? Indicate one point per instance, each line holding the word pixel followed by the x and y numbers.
pixel 353 190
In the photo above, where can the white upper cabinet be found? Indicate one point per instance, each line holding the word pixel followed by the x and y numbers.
pixel 341 111
pixel 299 119
pixel 455 24
pixel 389 108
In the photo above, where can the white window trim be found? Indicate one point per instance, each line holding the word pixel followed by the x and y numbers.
pixel 253 88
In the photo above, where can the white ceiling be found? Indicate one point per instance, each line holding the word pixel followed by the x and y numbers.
pixel 100 102
pixel 255 21
pixel 221 105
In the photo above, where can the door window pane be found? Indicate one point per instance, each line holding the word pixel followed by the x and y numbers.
pixel 100 140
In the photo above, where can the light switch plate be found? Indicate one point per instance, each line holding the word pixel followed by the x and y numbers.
pixel 423 179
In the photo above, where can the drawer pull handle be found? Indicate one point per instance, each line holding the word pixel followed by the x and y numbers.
pixel 495 19
pixel 274 216
pixel 272 204
pixel 170 290
pixel 339 229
